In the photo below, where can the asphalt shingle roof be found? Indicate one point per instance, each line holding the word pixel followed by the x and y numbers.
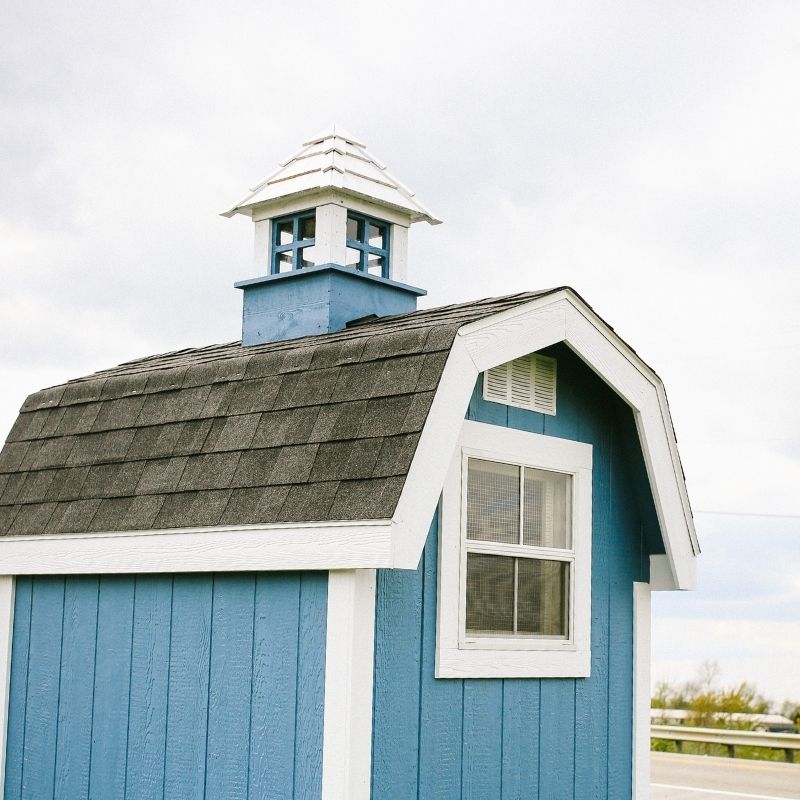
pixel 318 428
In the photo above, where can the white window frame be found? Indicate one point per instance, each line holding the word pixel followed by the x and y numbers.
pixel 459 656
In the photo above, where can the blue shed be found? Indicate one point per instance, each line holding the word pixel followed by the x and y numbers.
pixel 366 552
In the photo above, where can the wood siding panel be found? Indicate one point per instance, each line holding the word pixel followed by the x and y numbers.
pixel 143 687
pixel 522 739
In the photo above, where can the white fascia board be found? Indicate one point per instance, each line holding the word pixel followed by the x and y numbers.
pixel 557 317
pixel 6 637
pixel 641 692
pixel 344 545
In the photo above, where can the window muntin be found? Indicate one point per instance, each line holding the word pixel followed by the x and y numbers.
pixel 367 245
pixel 552 636
pixel 293 242
pixel 517 545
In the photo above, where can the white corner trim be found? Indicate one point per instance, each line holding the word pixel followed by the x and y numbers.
pixel 347 732
pixel 267 547
pixel 641 691
pixel 558 317
pixel 6 634
pixel 528 658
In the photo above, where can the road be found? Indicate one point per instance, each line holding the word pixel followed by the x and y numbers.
pixel 679 777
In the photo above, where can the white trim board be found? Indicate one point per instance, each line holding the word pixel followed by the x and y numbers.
pixel 641 691
pixel 349 659
pixel 6 635
pixel 557 317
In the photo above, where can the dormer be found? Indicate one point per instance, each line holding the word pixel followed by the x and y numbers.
pixel 331 241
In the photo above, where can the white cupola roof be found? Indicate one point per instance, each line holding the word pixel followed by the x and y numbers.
pixel 334 161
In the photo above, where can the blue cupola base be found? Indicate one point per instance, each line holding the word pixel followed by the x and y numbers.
pixel 316 300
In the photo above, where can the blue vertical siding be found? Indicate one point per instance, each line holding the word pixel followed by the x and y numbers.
pixel 548 739
pixel 160 686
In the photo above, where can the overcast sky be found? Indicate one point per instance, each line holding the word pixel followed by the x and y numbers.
pixel 645 153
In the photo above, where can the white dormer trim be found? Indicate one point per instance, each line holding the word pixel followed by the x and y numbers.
pixel 397 543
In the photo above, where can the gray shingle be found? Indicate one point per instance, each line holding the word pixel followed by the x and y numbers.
pixel 119 413
pixel 193 437
pixel 192 509
pixel 254 395
pixel 264 364
pixel 219 398
pixel 84 391
pixel 174 406
pixel 73 516
pixel 417 413
pixel 293 464
pixel 308 502
pixel 162 380
pixel 395 455
pixel 255 467
pixel 440 337
pixel 247 506
pixel 142 512
pixel 31 454
pixel 7 515
pixel 209 471
pixel 13 484
pixel 161 475
pixel 78 419
pixel 346 460
pixel 335 354
pixel 112 480
pixel 287 426
pixel 67 483
pixel 34 489
pixel 54 452
pixel 356 381
pixel 124 385
pixel 398 376
pixel 28 425
pixel 431 372
pixel 339 421
pixel 158 441
pixel 385 415
pixel 47 398
pixel 394 344
pixel 110 514
pixel 54 417
pixel 372 499
pixel 32 519
pixel 12 455
pixel 236 434
pixel 229 369
pixel 298 359
pixel 306 388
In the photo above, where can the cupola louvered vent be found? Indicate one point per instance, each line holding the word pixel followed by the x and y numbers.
pixel 527 382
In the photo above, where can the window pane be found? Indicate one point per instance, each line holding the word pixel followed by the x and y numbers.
pixel 375 265
pixel 543 597
pixel 352 258
pixel 285 233
pixel 286 261
pixel 493 501
pixel 308 257
pixel 490 594
pixel 546 517
pixel 377 236
pixel 353 229
pixel 308 226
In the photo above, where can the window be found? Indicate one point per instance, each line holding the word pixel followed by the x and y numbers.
pixel 515 553
pixel 367 245
pixel 293 240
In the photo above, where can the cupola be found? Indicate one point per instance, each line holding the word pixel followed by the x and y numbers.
pixel 331 242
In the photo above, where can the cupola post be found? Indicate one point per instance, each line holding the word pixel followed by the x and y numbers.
pixel 331 242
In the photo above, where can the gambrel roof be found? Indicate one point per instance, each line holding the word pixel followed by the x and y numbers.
pixel 323 452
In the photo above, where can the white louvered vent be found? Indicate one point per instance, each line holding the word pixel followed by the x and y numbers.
pixel 527 382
